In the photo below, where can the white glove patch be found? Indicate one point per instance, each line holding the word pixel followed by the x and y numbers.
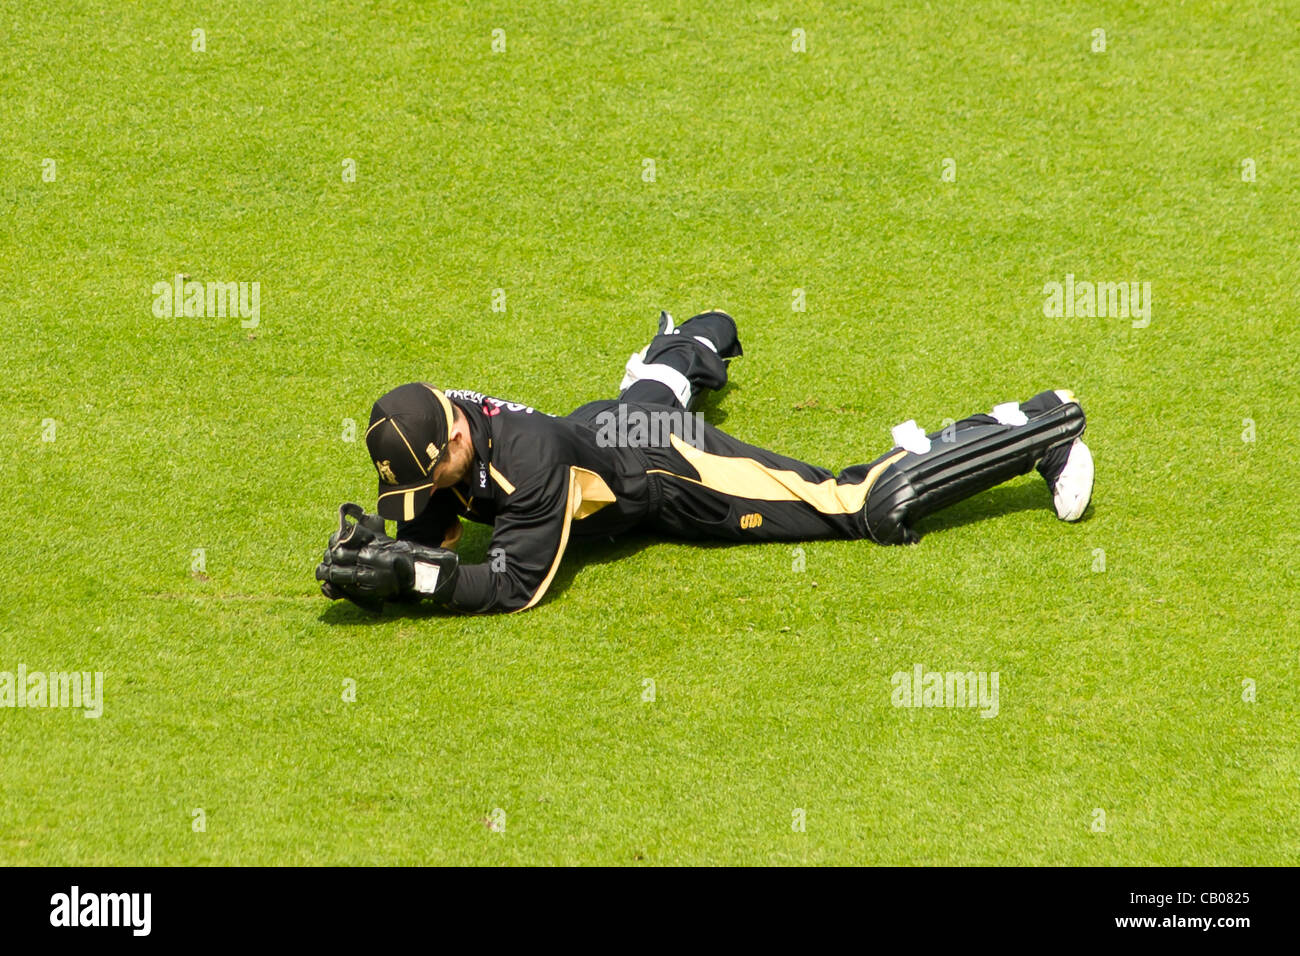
pixel 426 577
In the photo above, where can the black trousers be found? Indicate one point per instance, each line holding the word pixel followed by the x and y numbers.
pixel 712 486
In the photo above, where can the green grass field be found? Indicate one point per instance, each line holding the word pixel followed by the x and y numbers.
pixel 131 441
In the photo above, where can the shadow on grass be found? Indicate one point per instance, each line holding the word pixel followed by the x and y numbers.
pixel 1006 499
pixel 710 406
pixel 584 552
pixel 581 553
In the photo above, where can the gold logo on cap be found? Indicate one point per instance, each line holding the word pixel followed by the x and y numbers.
pixel 431 450
pixel 386 472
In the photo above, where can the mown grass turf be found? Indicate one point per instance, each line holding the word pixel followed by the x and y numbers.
pixel 775 170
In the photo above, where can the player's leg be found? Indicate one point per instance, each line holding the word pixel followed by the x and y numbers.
pixel 712 486
pixel 679 365
pixel 681 362
pixel 716 486
pixel 1068 467
pixel 924 473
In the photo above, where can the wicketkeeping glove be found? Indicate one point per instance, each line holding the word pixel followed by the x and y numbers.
pixel 367 567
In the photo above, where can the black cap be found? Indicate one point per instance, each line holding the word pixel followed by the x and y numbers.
pixel 408 433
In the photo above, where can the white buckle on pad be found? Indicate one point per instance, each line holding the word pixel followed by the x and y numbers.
pixel 909 437
pixel 1009 413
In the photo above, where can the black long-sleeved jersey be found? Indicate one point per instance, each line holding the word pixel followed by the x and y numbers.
pixel 538 480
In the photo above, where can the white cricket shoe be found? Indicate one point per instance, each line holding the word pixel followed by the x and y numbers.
pixel 1072 489
pixel 1068 471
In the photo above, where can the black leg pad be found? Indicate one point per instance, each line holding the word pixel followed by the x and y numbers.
pixel 978 457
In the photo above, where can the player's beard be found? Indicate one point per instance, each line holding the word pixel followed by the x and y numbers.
pixel 452 469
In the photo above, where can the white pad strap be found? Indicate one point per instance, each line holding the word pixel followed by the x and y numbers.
pixel 909 437
pixel 1009 413
pixel 639 371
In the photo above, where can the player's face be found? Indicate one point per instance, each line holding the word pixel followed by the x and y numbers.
pixel 455 463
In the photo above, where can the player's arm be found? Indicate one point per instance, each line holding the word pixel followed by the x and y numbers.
pixel 528 541
pixel 438 525
pixel 531 532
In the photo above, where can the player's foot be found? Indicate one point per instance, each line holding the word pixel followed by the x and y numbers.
pixel 1068 471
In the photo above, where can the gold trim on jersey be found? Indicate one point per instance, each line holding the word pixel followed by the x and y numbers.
pixel 587 494
pixel 594 494
pixel 501 479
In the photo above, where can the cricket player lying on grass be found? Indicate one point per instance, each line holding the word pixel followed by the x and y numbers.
pixel 644 461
